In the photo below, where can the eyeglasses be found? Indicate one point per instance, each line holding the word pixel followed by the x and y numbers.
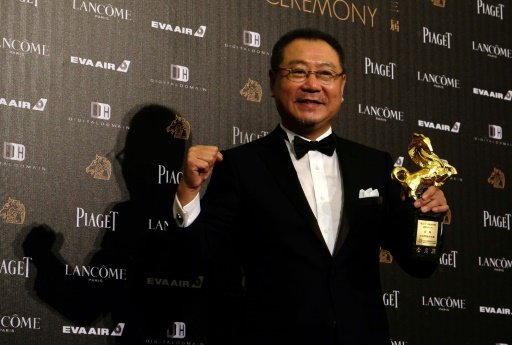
pixel 298 75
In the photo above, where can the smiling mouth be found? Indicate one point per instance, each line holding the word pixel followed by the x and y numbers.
pixel 309 101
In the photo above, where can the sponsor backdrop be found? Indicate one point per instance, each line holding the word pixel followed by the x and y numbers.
pixel 100 99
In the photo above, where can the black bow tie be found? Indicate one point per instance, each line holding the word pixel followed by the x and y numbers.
pixel 326 146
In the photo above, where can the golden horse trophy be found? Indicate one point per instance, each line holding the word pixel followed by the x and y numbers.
pixel 434 172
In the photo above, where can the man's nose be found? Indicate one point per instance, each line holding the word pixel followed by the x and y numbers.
pixel 312 82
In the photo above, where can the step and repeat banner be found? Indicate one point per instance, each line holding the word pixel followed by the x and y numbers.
pixel 99 101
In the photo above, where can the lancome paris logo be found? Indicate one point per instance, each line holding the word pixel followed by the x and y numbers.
pixel 102 11
pixel 496 264
pixel 252 91
pixel 100 168
pixel 199 32
pixel 123 67
pixel 493 10
pixel 179 78
pixel 24 47
pixel 342 10
pixel 13 211
pixel 440 126
pixel 380 113
pixel 251 43
pixel 97 331
pixel 13 323
pixel 40 105
pixel 444 303
pixel 439 81
pixel 497 178
pixel 96 274
pixel 492 50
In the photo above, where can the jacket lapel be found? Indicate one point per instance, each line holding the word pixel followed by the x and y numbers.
pixel 349 163
pixel 276 156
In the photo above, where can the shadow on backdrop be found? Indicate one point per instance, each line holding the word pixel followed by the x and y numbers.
pixel 147 274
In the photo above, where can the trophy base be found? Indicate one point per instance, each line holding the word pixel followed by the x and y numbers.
pixel 427 236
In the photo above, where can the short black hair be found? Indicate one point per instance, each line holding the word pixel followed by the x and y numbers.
pixel 306 34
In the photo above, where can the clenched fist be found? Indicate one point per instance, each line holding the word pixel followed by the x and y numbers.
pixel 198 167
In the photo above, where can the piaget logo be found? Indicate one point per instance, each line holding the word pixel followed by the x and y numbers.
pixel 100 168
pixel 443 40
pixel 493 10
pixel 382 69
pixel 13 211
pixel 242 137
pixel 341 10
pixel 252 91
pixel 390 299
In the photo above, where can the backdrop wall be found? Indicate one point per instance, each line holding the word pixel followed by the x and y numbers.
pixel 100 99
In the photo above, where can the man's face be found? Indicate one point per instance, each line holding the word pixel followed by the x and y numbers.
pixel 308 107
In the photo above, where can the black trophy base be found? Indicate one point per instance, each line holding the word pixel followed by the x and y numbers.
pixel 427 236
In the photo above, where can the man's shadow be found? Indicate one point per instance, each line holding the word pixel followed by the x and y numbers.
pixel 146 273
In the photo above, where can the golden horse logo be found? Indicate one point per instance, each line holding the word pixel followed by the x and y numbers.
pixel 100 168
pixel 252 91
pixel 13 212
pixel 179 128
pixel 434 171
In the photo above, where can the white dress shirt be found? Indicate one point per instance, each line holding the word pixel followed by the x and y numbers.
pixel 320 179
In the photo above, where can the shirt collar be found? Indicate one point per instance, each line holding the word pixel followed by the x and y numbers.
pixel 291 134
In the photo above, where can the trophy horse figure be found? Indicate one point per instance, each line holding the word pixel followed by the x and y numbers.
pixel 434 170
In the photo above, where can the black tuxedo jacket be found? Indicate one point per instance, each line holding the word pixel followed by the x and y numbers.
pixel 273 279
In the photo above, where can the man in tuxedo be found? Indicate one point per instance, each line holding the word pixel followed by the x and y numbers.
pixel 284 221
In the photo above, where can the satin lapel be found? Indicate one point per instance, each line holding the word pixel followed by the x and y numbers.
pixel 350 166
pixel 276 156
